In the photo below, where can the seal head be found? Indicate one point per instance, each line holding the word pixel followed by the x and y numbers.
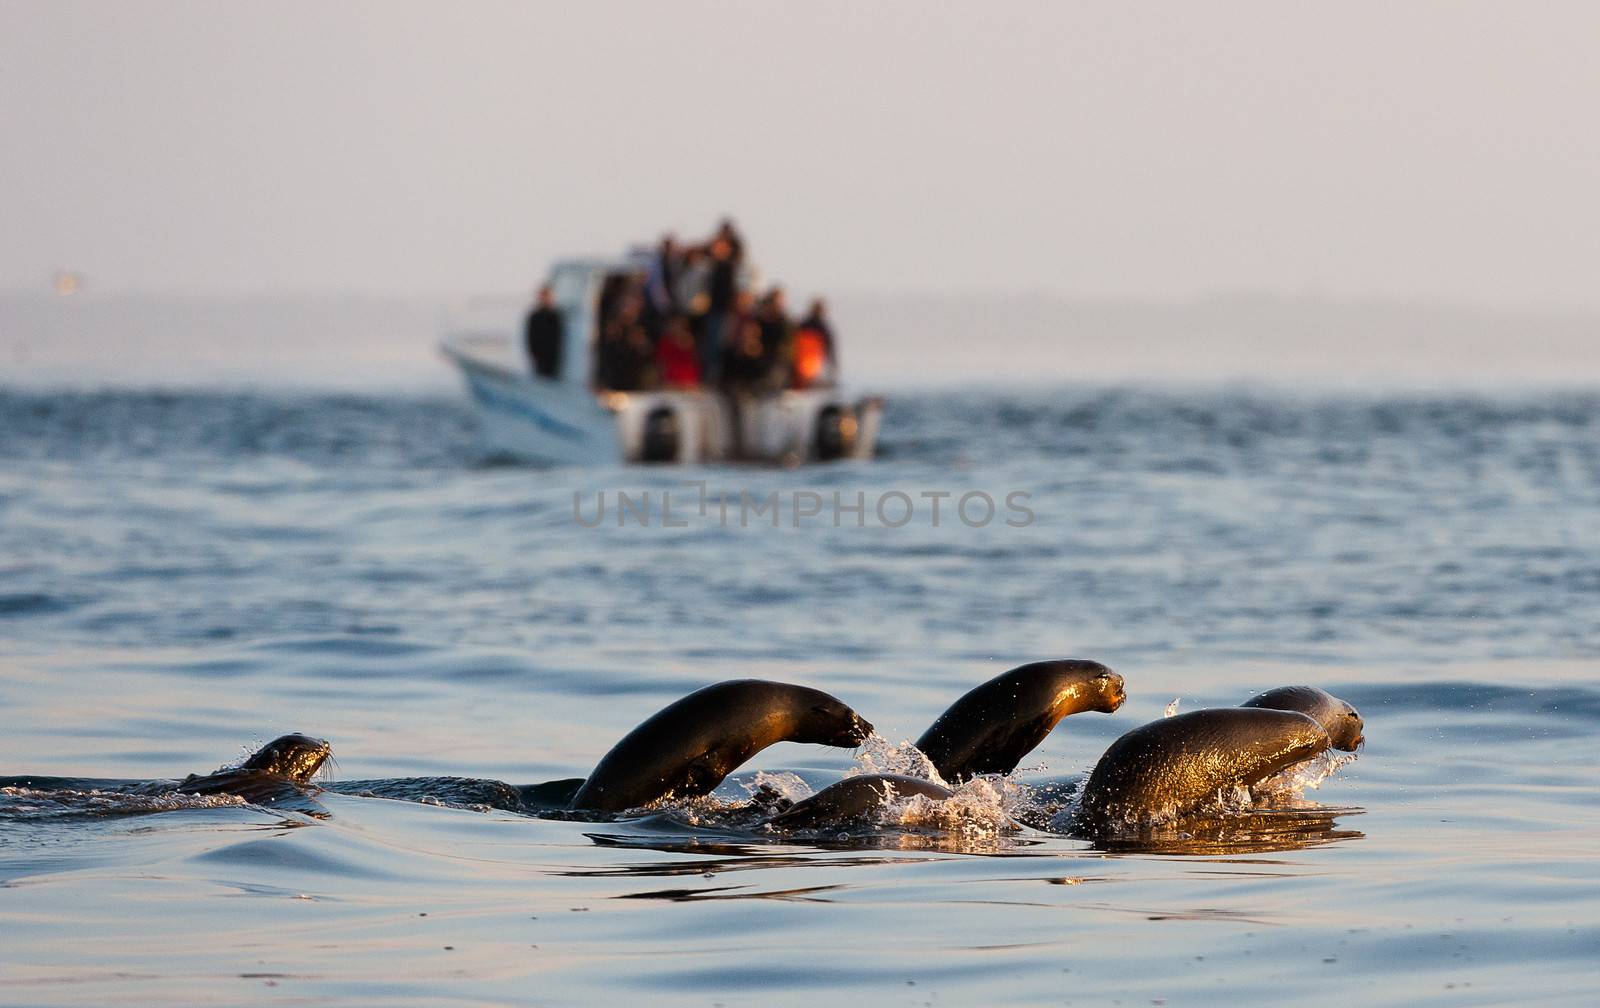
pixel 994 726
pixel 690 746
pixel 1340 720
pixel 297 757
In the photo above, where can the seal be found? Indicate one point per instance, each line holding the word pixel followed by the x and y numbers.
pixel 1340 720
pixel 991 728
pixel 1172 766
pixel 281 768
pixel 278 772
pixel 691 745
pixel 853 799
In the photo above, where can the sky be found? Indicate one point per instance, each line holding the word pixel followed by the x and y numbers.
pixel 1438 151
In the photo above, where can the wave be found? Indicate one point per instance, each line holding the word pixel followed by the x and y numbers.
pixel 25 804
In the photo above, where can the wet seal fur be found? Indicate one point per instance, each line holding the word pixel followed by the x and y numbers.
pixel 854 799
pixel 691 745
pixel 995 725
pixel 1170 767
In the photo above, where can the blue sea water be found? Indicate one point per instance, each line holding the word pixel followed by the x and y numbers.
pixel 186 574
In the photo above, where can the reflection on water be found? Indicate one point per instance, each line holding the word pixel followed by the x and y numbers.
pixel 809 894
pixel 723 857
pixel 1257 832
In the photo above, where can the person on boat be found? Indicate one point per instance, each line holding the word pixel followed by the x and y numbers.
pixel 722 289
pixel 611 357
pixel 777 339
pixel 691 290
pixel 730 234
pixel 644 375
pixel 677 361
pixel 745 365
pixel 542 335
pixel 626 354
pixel 660 285
pixel 814 361
pixel 742 346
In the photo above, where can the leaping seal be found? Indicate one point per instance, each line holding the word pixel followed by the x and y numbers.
pixel 1172 766
pixel 691 745
pixel 991 728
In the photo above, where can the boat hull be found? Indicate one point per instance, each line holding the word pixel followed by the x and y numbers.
pixel 529 418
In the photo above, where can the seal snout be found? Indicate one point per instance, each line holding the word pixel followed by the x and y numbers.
pixel 1356 732
pixel 1351 735
pixel 857 732
pixel 1113 691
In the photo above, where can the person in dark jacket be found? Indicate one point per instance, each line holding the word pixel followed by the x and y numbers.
pixel 777 339
pixel 542 332
pixel 720 334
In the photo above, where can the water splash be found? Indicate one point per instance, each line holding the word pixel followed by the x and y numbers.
pixel 878 755
pixel 1171 708
pixel 1309 775
pixel 781 783
pixel 978 812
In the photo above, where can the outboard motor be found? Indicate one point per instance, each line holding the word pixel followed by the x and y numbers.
pixel 836 432
pixel 660 443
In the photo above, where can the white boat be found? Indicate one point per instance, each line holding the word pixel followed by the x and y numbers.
pixel 567 420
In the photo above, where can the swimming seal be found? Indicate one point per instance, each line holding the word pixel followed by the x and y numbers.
pixel 1338 719
pixel 281 768
pixel 688 747
pixel 991 728
pixel 278 774
pixel 1170 767
pixel 852 799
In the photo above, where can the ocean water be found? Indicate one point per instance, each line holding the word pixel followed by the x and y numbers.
pixel 184 575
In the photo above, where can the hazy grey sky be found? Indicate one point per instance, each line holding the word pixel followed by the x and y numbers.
pixel 1441 150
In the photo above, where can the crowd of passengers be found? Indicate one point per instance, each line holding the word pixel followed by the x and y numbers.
pixel 694 319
